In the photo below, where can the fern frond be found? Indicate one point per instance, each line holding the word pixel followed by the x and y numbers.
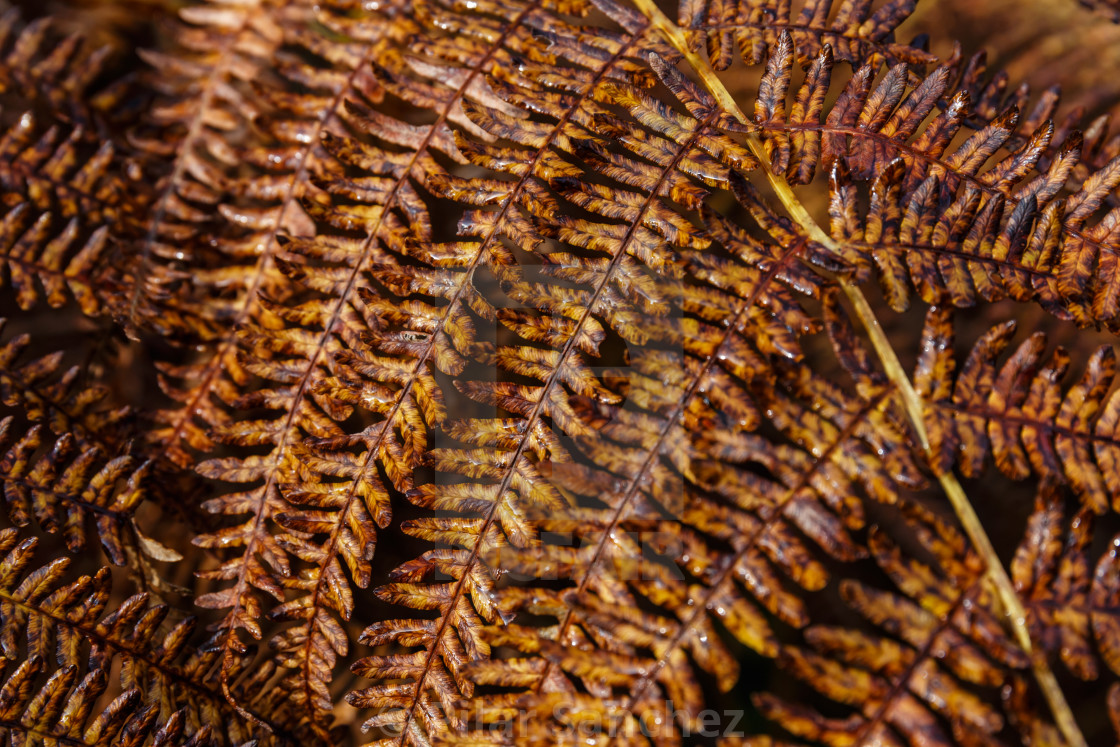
pixel 683 372
pixel 1020 413
pixel 69 461
pixel 935 642
pixel 68 642
pixel 515 298
pixel 943 645
pixel 946 221
pixel 335 360
pixel 963 165
pixel 67 191
pixel 45 68
pixel 852 30
pixel 626 560
pixel 42 391
pixel 66 487
pixel 1073 603
pixel 64 204
pixel 327 57
pixel 203 109
pixel 444 580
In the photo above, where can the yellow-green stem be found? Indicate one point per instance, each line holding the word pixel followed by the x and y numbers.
pixel 912 402
pixel 996 575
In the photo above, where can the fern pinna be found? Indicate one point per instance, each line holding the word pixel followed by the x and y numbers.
pixel 517 372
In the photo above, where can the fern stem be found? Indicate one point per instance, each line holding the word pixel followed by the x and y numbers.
pixel 912 402
pixel 966 514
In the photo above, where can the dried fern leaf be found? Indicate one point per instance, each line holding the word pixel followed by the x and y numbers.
pixel 258 190
pixel 42 391
pixel 66 487
pixel 64 206
pixel 67 642
pixel 653 249
pixel 319 494
pixel 515 267
pixel 852 29
pixel 1072 601
pixel 71 464
pixel 957 225
pixel 518 400
pixel 43 67
pixel 937 643
pixel 83 474
pixel 1020 413
pixel 204 105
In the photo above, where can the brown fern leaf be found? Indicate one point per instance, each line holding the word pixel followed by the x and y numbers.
pixel 1075 608
pixel 203 107
pixel 1109 8
pixel 1020 413
pixel 959 252
pixel 46 69
pixel 78 402
pixel 627 557
pixel 327 59
pixel 489 500
pixel 852 29
pixel 68 642
pixel 937 641
pixel 66 487
pixel 443 579
pixel 514 465
pixel 343 355
pixel 285 152
pixel 65 204
pixel 88 472
pixel 969 229
pixel 68 190
pixel 523 278
pixel 990 94
pixel 260 204
pixel 41 391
